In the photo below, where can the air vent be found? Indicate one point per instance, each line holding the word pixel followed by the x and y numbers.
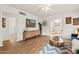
pixel 22 13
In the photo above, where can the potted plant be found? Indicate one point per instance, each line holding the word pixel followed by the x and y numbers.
pixel 40 27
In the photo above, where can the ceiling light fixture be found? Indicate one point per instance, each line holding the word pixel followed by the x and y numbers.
pixel 45 7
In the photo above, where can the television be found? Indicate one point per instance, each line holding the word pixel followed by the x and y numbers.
pixel 30 23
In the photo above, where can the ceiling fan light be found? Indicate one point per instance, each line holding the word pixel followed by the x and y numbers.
pixel 42 9
pixel 46 8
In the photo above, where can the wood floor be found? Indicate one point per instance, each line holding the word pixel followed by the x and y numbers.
pixel 28 46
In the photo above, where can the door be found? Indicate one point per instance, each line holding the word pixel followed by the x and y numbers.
pixel 12 28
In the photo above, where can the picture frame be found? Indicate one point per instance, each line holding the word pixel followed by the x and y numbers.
pixel 30 23
pixel 75 21
pixel 68 20
pixel 3 22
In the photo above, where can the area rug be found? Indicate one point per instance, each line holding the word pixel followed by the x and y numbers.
pixel 50 49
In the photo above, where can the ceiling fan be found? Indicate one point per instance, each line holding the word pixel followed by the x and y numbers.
pixel 46 7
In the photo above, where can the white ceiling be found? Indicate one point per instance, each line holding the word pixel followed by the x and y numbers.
pixel 56 8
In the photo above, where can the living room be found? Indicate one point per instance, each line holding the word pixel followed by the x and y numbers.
pixel 54 21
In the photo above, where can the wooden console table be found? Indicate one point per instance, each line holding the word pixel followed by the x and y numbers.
pixel 29 34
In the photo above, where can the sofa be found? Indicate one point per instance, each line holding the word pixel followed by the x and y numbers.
pixel 75 46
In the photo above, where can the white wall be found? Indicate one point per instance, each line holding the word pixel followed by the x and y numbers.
pixel 1 29
pixel 13 13
pixel 67 28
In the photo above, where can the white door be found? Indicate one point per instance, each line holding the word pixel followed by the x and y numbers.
pixel 12 27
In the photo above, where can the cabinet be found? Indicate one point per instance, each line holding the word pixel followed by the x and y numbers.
pixel 29 34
